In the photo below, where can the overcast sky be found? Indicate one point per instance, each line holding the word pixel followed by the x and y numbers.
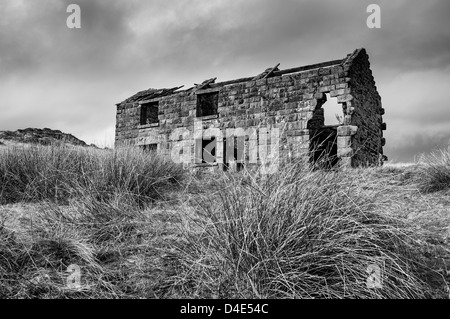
pixel 71 79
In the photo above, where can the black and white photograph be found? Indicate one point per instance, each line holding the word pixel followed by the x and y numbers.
pixel 224 156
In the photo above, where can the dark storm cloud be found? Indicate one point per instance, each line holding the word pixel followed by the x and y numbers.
pixel 54 76
pixel 249 36
pixel 415 35
pixel 34 36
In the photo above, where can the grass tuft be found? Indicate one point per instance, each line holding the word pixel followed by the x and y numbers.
pixel 434 171
pixel 61 173
pixel 300 234
pixel 297 233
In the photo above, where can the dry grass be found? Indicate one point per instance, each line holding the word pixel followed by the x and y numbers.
pixel 59 173
pixel 293 234
pixel 87 211
pixel 434 173
pixel 303 234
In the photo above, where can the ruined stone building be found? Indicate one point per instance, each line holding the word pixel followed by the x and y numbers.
pixel 291 100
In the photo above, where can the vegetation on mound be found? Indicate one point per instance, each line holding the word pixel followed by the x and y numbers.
pixel 44 136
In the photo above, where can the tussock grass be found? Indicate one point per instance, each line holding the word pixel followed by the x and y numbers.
pixel 59 173
pixel 89 214
pixel 300 234
pixel 434 171
pixel 95 236
pixel 293 234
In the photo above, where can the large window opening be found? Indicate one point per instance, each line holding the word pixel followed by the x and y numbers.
pixel 149 113
pixel 207 104
pixel 333 114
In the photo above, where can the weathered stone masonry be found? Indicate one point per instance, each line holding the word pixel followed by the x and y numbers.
pixel 290 100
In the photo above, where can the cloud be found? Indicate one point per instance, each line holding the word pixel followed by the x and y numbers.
pixel 413 146
pixel 417 110
pixel 34 37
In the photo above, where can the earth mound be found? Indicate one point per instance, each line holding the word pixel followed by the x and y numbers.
pixel 44 136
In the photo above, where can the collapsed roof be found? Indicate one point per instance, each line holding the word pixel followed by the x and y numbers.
pixel 152 93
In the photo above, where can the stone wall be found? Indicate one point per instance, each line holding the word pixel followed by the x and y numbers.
pixel 290 100
pixel 366 112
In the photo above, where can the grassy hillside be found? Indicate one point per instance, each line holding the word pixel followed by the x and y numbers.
pixel 136 225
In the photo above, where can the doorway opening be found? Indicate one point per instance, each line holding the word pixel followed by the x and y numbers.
pixel 323 148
